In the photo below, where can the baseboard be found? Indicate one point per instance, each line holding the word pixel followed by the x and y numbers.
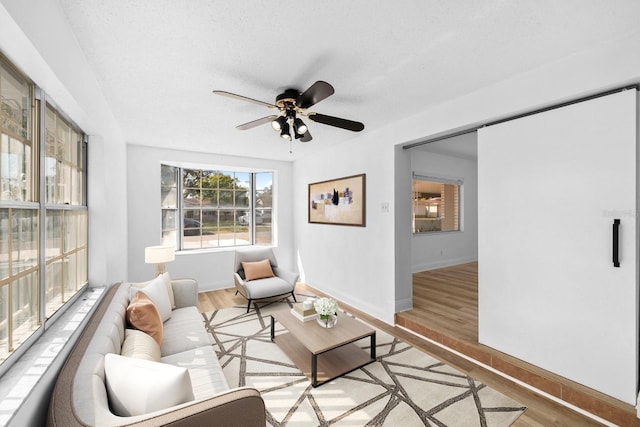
pixel 432 265
pixel 374 311
pixel 214 286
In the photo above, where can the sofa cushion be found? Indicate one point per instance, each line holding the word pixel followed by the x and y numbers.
pixel 136 386
pixel 184 331
pixel 204 368
pixel 142 314
pixel 257 270
pixel 140 345
pixel 156 290
pixel 167 282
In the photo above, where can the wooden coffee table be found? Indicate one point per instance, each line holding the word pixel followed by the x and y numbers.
pixel 323 354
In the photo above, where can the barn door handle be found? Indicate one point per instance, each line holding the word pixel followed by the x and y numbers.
pixel 616 240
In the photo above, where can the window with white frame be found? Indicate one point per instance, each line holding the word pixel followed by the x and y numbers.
pixel 436 204
pixel 210 208
pixel 50 267
pixel 66 213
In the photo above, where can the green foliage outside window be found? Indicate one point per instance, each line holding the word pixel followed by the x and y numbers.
pixel 217 208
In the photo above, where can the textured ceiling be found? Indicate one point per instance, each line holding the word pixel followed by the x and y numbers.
pixel 159 60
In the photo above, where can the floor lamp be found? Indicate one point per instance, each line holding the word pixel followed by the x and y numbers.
pixel 158 255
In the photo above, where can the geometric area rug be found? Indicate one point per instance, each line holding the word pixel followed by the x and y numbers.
pixel 403 387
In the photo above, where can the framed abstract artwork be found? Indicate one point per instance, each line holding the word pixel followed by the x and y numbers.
pixel 338 201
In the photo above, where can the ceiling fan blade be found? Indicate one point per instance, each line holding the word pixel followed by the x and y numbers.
pixel 316 93
pixel 251 125
pixel 243 98
pixel 306 137
pixel 336 121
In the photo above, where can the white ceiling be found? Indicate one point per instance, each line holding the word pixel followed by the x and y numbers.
pixel 159 60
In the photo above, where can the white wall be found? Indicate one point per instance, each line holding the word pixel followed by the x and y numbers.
pixel 212 269
pixel 442 249
pixel 402 239
pixel 353 264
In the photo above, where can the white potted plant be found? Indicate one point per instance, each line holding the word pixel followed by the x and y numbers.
pixel 327 310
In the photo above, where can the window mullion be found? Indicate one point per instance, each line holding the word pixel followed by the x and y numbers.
pixel 252 208
pixel 41 191
pixel 10 287
pixel 179 204
pixel 85 181
pixel 200 204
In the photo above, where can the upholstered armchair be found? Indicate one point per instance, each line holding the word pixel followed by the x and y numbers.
pixel 260 277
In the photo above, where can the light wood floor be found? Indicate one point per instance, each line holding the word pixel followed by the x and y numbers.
pixel 447 298
pixel 540 412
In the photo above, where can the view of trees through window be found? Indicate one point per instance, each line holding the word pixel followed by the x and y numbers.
pixel 216 208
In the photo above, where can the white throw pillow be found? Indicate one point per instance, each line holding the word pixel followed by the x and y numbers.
pixel 140 345
pixel 137 387
pixel 136 286
pixel 156 290
pixel 167 282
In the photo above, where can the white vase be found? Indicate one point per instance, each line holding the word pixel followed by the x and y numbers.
pixel 328 321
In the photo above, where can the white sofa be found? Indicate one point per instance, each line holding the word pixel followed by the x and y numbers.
pixel 80 396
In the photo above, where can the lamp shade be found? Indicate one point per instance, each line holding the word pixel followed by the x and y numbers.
pixel 159 254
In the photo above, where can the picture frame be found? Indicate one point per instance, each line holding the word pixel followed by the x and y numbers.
pixel 340 201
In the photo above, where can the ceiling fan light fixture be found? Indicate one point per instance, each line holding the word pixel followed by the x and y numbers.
pixel 277 123
pixel 299 126
pixel 290 103
pixel 285 134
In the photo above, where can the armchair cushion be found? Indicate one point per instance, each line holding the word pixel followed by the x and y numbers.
pixel 257 270
pixel 254 254
pixel 265 288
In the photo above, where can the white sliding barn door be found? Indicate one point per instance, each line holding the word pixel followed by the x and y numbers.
pixel 549 188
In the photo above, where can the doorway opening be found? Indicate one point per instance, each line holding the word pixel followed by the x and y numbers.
pixel 445 236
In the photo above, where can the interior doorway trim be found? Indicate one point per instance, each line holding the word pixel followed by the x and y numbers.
pixel 518 116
